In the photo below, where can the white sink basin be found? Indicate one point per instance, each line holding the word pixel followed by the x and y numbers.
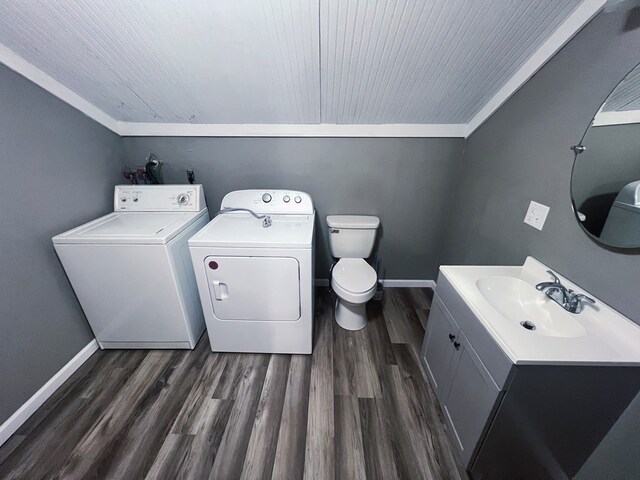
pixel 520 302
pixel 501 298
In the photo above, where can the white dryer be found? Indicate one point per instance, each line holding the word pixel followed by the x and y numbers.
pixel 255 275
pixel 132 272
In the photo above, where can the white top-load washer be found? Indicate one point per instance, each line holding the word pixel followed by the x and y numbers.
pixel 255 275
pixel 131 269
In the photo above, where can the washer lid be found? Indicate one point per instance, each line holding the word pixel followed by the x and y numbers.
pixel 241 229
pixel 354 275
pixel 130 228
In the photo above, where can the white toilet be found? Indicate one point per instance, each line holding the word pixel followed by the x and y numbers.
pixel 351 238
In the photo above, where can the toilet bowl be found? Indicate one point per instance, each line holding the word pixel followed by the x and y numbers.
pixel 351 238
pixel 354 282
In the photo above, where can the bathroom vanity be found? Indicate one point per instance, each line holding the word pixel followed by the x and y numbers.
pixel 528 389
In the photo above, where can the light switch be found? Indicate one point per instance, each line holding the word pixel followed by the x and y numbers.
pixel 536 215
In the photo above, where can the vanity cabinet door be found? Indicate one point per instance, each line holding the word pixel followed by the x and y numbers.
pixel 437 348
pixel 470 400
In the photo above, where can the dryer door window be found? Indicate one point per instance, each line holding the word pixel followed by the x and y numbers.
pixel 254 288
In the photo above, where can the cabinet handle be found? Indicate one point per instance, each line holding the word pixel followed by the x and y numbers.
pixel 452 337
pixel 457 345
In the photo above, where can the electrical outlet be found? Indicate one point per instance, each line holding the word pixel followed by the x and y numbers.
pixel 536 215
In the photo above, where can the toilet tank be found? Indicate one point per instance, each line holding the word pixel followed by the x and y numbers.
pixel 352 236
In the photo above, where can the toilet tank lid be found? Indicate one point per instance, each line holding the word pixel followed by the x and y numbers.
pixel 352 221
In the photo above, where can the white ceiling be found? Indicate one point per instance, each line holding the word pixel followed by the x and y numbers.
pixel 425 61
pixel 142 65
pixel 248 61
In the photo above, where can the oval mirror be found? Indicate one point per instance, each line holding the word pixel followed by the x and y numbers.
pixel 605 183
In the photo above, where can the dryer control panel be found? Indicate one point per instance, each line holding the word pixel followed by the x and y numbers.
pixel 280 202
pixel 159 198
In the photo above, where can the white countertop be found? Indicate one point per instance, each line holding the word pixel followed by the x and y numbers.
pixel 597 336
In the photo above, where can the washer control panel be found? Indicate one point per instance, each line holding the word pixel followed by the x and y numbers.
pixel 159 198
pixel 270 201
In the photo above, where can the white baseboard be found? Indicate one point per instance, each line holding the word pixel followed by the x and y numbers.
pixel 409 283
pixel 21 415
pixel 324 282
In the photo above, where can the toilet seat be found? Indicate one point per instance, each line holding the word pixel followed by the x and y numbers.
pixel 354 280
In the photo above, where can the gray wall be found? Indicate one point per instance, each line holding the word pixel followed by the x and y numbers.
pixel 522 153
pixel 406 182
pixel 58 168
pixel 611 161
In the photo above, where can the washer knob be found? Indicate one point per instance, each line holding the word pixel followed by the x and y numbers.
pixel 286 198
pixel 183 199
pixel 297 199
pixel 266 198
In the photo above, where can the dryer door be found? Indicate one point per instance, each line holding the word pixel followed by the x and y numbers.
pixel 254 288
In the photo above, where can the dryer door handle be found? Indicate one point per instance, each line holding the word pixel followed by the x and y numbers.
pixel 220 290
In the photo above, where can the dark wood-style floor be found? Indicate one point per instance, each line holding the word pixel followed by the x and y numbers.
pixel 358 407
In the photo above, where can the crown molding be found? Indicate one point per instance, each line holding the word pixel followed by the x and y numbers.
pixel 129 129
pixel 19 65
pixel 565 32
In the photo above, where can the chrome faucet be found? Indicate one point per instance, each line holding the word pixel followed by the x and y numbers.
pixel 577 301
pixel 554 290
pixel 571 301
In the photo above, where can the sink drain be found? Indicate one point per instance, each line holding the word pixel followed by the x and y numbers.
pixel 528 325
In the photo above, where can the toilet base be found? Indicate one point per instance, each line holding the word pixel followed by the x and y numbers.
pixel 351 316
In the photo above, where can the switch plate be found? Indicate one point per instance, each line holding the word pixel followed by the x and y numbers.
pixel 536 215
